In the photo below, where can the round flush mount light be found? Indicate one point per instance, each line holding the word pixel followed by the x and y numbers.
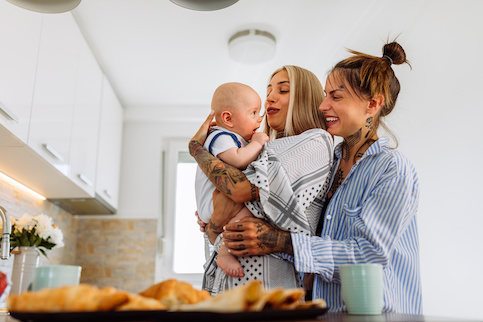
pixel 204 5
pixel 252 46
pixel 46 6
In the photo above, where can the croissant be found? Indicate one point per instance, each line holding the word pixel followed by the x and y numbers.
pixel 172 293
pixel 237 299
pixel 140 303
pixel 76 298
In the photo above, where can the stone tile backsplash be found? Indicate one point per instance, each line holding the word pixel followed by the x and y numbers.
pixel 117 252
pixel 112 251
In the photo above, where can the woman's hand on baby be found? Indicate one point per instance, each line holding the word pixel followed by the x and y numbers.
pixel 253 236
pixel 260 137
pixel 202 133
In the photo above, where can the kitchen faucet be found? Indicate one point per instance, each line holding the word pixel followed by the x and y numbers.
pixel 7 229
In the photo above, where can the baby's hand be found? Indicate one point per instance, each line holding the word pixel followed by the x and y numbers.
pixel 260 137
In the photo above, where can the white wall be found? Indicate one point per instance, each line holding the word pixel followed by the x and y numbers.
pixel 438 123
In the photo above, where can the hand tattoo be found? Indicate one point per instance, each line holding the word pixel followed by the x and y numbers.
pixel 272 240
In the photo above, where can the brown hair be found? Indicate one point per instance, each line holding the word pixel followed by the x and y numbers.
pixel 369 76
pixel 306 95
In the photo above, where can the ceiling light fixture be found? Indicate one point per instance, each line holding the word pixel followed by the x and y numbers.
pixel 204 5
pixel 46 6
pixel 252 46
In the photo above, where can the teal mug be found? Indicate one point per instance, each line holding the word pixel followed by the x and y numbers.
pixel 55 276
pixel 362 288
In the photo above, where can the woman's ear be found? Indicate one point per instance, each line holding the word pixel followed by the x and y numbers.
pixel 227 118
pixel 375 104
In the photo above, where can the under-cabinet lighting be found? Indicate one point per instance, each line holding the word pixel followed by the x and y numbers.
pixel 21 186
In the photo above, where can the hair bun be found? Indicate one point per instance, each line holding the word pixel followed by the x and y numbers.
pixel 395 53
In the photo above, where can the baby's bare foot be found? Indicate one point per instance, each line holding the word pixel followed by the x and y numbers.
pixel 230 265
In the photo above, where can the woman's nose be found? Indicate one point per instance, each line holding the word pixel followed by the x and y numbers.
pixel 271 97
pixel 324 106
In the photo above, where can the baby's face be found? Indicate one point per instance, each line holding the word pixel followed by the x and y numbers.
pixel 247 118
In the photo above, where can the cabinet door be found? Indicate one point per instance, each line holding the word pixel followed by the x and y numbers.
pixel 19 39
pixel 85 124
pixel 110 141
pixel 53 102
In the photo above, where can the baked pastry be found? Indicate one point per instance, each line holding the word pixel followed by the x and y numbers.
pixel 140 303
pixel 241 298
pixel 172 293
pixel 74 298
pixel 252 297
pixel 279 298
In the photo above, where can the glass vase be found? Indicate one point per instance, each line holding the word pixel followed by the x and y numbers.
pixel 24 264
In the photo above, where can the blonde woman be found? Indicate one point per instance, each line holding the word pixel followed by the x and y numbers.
pixel 285 186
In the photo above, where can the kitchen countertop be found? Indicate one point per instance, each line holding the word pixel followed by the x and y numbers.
pixel 338 317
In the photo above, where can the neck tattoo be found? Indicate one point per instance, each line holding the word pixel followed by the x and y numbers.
pixel 369 121
pixel 280 134
pixel 350 142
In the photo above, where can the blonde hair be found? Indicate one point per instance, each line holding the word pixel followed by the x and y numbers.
pixel 306 95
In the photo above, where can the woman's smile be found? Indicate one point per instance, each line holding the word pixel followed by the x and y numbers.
pixel 331 120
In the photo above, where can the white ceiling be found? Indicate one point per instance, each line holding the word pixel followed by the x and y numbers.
pixel 157 54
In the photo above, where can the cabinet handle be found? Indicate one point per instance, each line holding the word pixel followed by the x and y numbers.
pixel 54 153
pixel 84 179
pixel 9 113
pixel 106 192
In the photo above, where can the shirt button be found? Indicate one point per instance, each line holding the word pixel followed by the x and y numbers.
pixel 329 217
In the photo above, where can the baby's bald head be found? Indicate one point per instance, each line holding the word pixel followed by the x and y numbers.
pixel 229 97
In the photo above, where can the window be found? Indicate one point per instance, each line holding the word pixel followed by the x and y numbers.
pixel 189 250
pixel 183 247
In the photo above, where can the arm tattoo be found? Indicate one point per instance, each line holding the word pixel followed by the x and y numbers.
pixel 253 192
pixel 222 175
pixel 215 228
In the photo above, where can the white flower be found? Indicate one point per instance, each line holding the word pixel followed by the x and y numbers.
pixel 44 226
pixel 36 231
pixel 57 238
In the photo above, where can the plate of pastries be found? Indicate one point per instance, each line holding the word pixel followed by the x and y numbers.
pixel 169 300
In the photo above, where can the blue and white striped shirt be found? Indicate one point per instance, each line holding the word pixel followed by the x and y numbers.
pixel 370 219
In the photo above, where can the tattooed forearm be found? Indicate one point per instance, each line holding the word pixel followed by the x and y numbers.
pixel 253 192
pixel 213 230
pixel 223 176
pixel 194 146
pixel 286 243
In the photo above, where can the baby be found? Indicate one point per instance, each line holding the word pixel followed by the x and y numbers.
pixel 237 114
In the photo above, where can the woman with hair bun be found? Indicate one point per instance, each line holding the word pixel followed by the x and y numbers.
pixel 370 211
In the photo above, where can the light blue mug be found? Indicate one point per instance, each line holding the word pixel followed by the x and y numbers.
pixel 362 288
pixel 55 276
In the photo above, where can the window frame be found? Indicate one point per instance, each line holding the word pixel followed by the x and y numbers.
pixel 170 163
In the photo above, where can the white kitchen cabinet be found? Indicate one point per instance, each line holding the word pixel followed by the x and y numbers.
pixel 85 124
pixel 19 41
pixel 109 148
pixel 55 86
